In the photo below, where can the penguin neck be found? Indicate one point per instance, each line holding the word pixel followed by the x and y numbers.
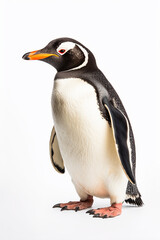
pixel 78 73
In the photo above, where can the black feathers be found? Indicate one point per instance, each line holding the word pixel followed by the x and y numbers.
pixel 137 201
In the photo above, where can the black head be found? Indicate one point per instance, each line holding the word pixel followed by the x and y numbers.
pixel 64 54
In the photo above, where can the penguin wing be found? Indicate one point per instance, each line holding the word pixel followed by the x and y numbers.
pixel 120 128
pixel 55 154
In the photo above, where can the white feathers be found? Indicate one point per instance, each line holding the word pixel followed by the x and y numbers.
pixel 86 141
pixel 133 197
pixel 66 46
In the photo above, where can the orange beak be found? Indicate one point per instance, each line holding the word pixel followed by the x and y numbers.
pixel 37 56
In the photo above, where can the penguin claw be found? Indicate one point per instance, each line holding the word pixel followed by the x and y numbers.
pixel 58 205
pixel 76 209
pixel 64 208
pixel 90 211
pixel 96 215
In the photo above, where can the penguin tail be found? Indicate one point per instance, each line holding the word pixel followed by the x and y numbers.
pixel 133 196
pixel 135 200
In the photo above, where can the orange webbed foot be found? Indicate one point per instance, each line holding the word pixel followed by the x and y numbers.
pixel 114 210
pixel 76 206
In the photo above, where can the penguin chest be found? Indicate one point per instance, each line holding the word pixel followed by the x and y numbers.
pixel 85 138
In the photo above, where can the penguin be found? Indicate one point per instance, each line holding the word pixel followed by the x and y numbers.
pixel 92 136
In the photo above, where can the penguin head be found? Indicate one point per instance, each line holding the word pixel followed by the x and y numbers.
pixel 64 54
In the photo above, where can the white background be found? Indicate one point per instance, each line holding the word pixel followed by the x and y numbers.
pixel 124 37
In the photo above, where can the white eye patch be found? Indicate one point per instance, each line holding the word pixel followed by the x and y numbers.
pixel 65 47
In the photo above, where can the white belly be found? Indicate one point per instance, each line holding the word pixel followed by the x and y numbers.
pixel 86 140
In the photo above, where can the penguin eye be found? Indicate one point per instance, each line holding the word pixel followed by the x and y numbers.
pixel 62 51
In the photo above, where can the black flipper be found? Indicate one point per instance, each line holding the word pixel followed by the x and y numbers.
pixel 55 154
pixel 120 128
